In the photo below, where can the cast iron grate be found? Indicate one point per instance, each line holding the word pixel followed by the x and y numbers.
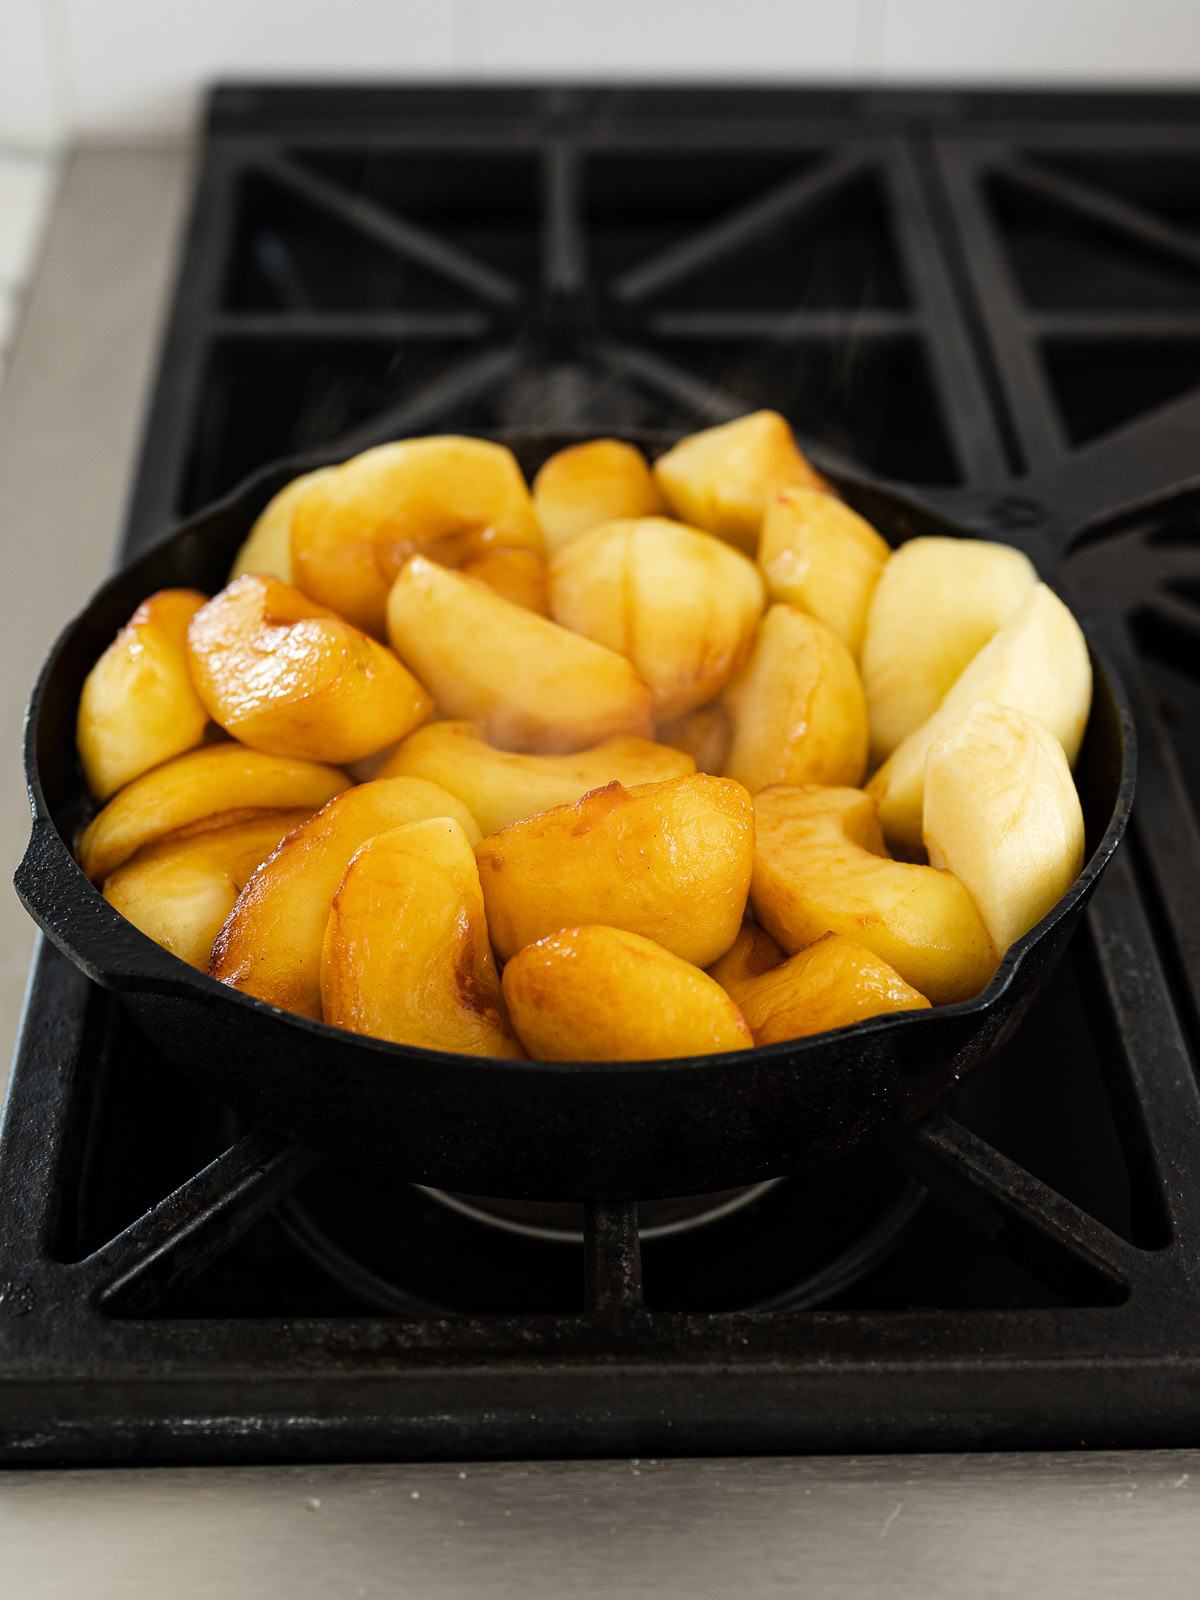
pixel 930 287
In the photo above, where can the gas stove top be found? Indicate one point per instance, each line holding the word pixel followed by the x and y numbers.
pixel 949 293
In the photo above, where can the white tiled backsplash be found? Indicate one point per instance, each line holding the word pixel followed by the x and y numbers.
pixel 122 68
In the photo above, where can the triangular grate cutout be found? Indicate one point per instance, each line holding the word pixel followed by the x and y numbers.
pixel 1065 261
pixel 1100 384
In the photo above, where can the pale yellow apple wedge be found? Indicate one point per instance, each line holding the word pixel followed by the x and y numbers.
pixel 831 984
pixel 679 604
pixel 587 484
pixel 1037 663
pixel 268 546
pixel 529 684
pixel 936 604
pixel 818 554
pixel 139 706
pixel 1002 813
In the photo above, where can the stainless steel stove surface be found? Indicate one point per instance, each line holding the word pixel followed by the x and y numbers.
pixel 947 292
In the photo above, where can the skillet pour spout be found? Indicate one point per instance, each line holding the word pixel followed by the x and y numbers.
pixel 530 1129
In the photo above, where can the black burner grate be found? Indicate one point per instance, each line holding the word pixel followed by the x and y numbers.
pixel 940 290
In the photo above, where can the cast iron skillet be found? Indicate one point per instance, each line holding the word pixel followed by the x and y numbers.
pixel 524 1128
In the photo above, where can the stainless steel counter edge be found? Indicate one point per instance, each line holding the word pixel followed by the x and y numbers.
pixel 1090 1524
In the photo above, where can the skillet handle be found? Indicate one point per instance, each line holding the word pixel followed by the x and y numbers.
pixel 77 921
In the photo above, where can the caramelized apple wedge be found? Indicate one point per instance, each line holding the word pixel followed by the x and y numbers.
pixel 139 706
pixel 500 786
pixel 220 779
pixel 937 603
pixel 1002 814
pixel 605 994
pixel 820 868
pixel 405 955
pixel 180 890
pixel 586 484
pixel 288 677
pixel 819 555
pixel 445 497
pixel 669 860
pixel 1037 663
pixel 271 944
pixel 705 734
pixel 831 984
pixel 751 954
pixel 721 479
pixel 679 604
pixel 798 710
pixel 529 684
pixel 268 546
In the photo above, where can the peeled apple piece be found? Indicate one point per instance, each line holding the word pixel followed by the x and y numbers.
pixel 180 890
pixel 818 554
pixel 820 867
pixel 679 604
pixel 271 944
pixel 831 984
pixel 288 677
pixel 529 684
pixel 797 705
pixel 502 786
pixel 587 484
pixel 445 496
pixel 405 955
pixel 1037 663
pixel 214 781
pixel 1002 814
pixel 268 547
pixel 139 706
pixel 722 478
pixel 605 994
pixel 670 861
pixel 517 575
pixel 937 603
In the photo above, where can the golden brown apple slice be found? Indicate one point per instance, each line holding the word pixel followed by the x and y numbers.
pixel 180 890
pixel 798 710
pixel 721 479
pixel 288 677
pixel 500 786
pixel 405 955
pixel 669 860
pixel 937 603
pixel 605 994
pixel 706 734
pixel 268 547
pixel 139 706
pixel 679 604
pixel 587 484
pixel 820 868
pixel 1002 814
pixel 271 944
pixel 517 575
pixel 530 684
pixel 1037 663
pixel 831 984
pixel 819 555
pixel 751 954
pixel 203 783
pixel 446 497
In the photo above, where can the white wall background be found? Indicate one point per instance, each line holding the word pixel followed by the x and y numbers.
pixel 120 69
